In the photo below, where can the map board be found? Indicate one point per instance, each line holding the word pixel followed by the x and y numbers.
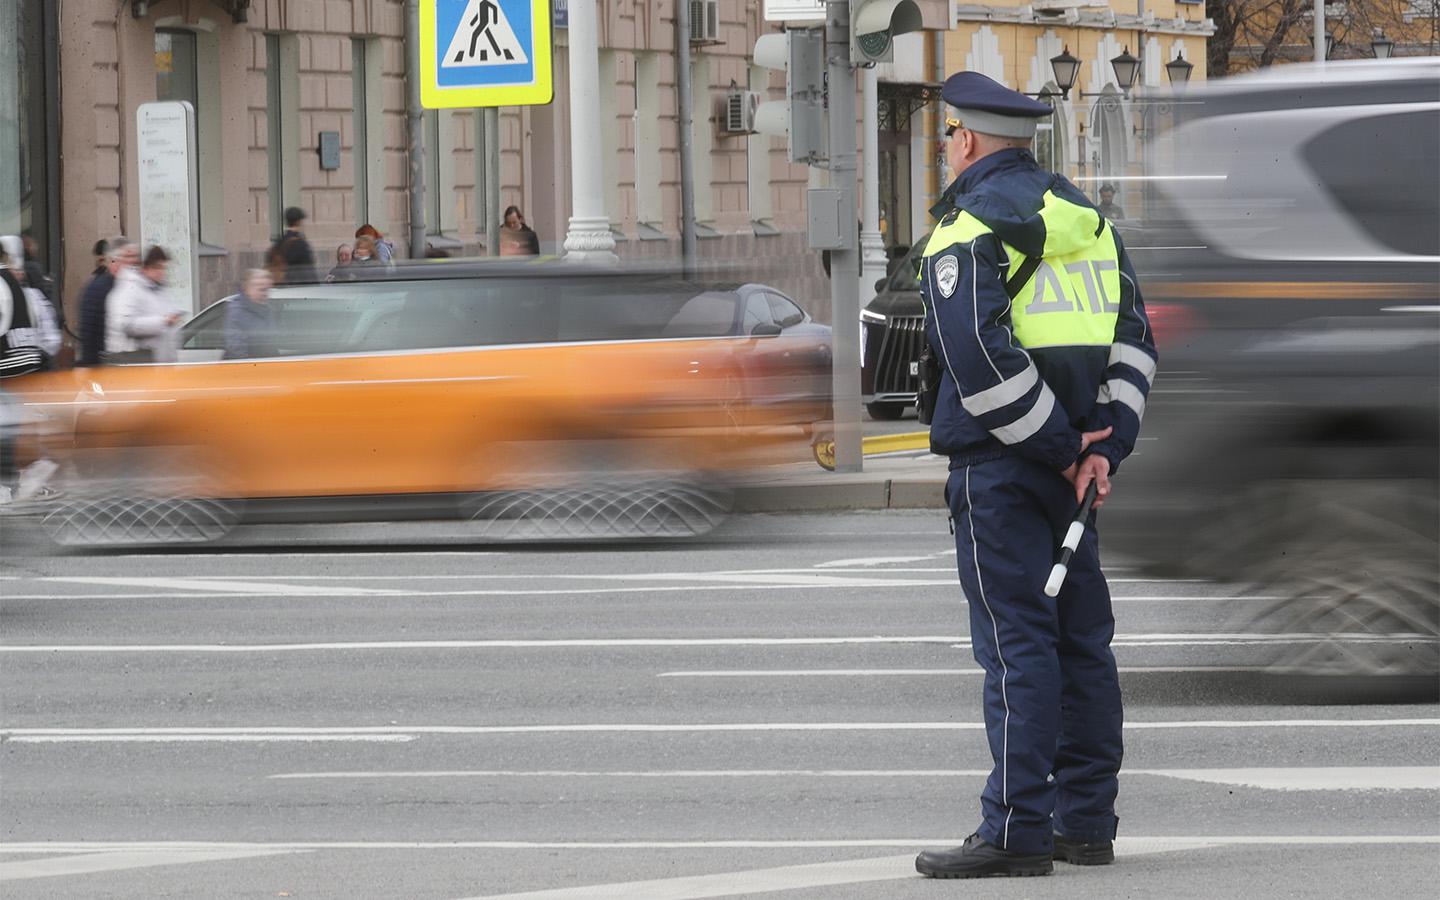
pixel 485 53
pixel 169 196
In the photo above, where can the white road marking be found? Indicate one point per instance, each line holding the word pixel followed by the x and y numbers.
pixel 214 739
pixel 1320 778
pixel 116 860
pixel 1175 842
pixel 885 673
pixel 850 871
pixel 1139 640
pixel 873 561
pixel 211 584
pixel 61 735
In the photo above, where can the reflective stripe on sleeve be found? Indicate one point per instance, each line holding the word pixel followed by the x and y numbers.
pixel 1002 394
pixel 1135 358
pixel 1121 391
pixel 1025 426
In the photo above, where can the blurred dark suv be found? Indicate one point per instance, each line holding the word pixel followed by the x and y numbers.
pixel 892 331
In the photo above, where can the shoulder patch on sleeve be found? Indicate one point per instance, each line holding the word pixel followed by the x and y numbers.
pixel 947 274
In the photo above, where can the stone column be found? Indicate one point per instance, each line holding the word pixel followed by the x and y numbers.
pixel 588 238
pixel 872 245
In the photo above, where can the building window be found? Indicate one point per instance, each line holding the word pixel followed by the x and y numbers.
pixel 29 119
pixel 702 142
pixel 440 219
pixel 1051 132
pixel 187 68
pixel 282 125
pixel 649 209
pixel 757 149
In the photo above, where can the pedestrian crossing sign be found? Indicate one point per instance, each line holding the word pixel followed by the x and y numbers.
pixel 485 53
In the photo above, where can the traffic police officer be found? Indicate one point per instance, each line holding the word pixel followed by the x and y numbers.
pixel 1043 385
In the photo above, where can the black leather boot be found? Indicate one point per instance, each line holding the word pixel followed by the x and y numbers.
pixel 978 859
pixel 1084 853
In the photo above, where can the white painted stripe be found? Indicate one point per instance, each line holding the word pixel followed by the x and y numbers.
pixel 118 860
pixel 211 584
pixel 1141 640
pixel 217 739
pixel 39 847
pixel 1002 394
pixel 726 884
pixel 882 673
pixel 19 734
pixel 1324 778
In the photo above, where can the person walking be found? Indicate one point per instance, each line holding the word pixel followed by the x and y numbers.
pixel 142 324
pixel 249 321
pixel 291 261
pixel 120 255
pixel 1034 312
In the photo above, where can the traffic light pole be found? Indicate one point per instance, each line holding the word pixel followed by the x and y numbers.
pixel 844 263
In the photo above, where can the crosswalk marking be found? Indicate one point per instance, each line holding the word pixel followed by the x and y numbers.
pixel 116 860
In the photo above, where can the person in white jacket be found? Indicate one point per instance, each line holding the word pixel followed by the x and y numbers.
pixel 140 317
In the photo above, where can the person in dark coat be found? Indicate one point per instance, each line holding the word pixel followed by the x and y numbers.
pixel 249 321
pixel 120 255
pixel 291 261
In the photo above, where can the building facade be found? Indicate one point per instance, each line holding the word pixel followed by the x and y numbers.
pixel 273 80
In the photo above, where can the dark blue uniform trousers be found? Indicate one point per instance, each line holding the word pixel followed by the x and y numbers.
pixel 1052 693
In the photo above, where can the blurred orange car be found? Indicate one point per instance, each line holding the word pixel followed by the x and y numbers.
pixel 474 390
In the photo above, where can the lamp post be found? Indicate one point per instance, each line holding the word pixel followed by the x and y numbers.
pixel 1178 70
pixel 1066 67
pixel 1381 46
pixel 1127 69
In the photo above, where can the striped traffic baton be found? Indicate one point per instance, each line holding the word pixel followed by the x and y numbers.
pixel 1072 540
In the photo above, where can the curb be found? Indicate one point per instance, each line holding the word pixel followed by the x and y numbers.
pixel 819 496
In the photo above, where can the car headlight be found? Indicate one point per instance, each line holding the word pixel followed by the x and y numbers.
pixel 868 316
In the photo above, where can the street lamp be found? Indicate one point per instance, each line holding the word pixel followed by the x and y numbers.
pixel 1066 67
pixel 1179 70
pixel 1126 69
pixel 1383 47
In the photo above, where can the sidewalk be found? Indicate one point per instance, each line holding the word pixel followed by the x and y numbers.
pixel 898 480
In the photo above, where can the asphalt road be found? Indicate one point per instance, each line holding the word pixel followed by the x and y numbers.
pixel 789 705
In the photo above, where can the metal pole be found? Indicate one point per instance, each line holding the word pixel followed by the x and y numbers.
pixel 844 268
pixel 415 126
pixel 687 150
pixel 872 243
pixel 491 115
pixel 1319 32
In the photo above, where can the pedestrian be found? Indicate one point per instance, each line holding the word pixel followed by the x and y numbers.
pixel 48 336
pixel 364 257
pixel 1108 207
pixel 290 260
pixel 344 255
pixel 249 321
pixel 20 354
pixel 142 324
pixel 384 250
pixel 516 237
pixel 121 255
pixel 102 257
pixel 1033 310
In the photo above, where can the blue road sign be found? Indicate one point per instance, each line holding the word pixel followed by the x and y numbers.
pixel 485 53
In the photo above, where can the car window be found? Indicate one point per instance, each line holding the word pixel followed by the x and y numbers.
pixel 1398 204
pixel 206 331
pixel 784 311
pixel 905 274
pixel 757 312
pixel 710 314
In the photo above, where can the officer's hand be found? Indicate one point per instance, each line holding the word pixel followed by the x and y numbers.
pixel 1093 468
pixel 1086 439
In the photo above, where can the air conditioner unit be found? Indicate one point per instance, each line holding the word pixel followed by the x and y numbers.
pixel 740 109
pixel 704 21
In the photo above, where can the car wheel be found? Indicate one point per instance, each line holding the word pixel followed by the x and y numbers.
pixel 1351 568
pixel 886 412
pixel 610 507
